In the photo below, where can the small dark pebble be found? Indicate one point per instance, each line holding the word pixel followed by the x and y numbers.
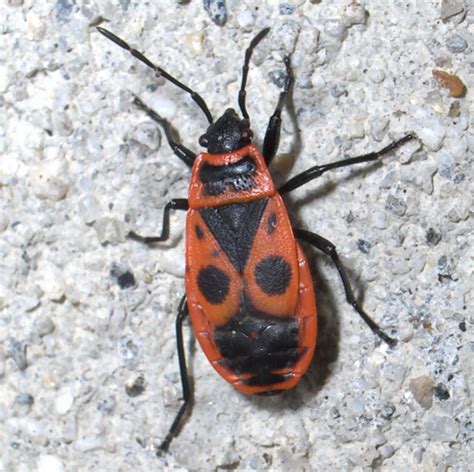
pixel 124 149
pixel 456 43
pixel 442 263
pixel 216 11
pixel 124 277
pixel 433 237
pixel 338 90
pixel 350 217
pixel 458 178
pixel 24 399
pixel 395 205
pixel 444 274
pixel 462 326
pixel 17 351
pixel 64 9
pixel 278 77
pixel 364 246
pixel 446 172
pixel 286 9
pixel 443 277
pixel 267 458
pixel 441 392
pixel 455 109
pixel 136 388
pixel 334 412
pixel 151 87
pixel 43 326
pixel 126 280
pixel 142 442
pixel 387 411
pixel 130 348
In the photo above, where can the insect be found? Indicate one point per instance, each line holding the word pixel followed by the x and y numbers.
pixel 249 291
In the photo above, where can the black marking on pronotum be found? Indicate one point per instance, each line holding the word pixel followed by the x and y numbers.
pixel 210 173
pixel 214 284
pixel 199 232
pixel 271 223
pixel 255 342
pixel 273 275
pixel 237 176
pixel 234 226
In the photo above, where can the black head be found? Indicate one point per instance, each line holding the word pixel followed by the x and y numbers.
pixel 228 133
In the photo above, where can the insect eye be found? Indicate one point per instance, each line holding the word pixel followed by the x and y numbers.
pixel 203 141
pixel 247 133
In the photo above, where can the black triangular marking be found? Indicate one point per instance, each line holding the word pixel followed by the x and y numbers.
pixel 234 226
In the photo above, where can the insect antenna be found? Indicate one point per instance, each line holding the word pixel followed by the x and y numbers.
pixel 245 70
pixel 158 70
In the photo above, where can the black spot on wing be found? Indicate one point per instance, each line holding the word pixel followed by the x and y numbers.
pixel 199 232
pixel 214 284
pixel 273 275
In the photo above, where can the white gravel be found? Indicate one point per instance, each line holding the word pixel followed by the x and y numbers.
pixel 88 371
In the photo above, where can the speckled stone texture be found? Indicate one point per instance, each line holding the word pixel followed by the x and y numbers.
pixel 89 377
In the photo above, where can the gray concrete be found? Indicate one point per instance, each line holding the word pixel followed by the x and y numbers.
pixel 88 371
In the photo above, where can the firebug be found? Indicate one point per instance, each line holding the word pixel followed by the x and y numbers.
pixel 249 291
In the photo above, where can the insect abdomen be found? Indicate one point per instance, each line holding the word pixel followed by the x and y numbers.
pixel 257 344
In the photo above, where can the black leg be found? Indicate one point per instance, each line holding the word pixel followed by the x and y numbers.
pixel 245 70
pixel 317 171
pixel 330 250
pixel 185 154
pixel 158 70
pixel 187 394
pixel 272 135
pixel 176 204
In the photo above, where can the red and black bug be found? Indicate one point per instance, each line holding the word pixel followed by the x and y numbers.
pixel 249 291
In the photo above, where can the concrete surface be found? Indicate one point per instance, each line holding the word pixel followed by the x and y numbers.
pixel 88 370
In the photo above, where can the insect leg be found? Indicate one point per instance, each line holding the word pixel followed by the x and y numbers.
pixel 316 171
pixel 185 154
pixel 175 204
pixel 272 135
pixel 187 394
pixel 158 70
pixel 330 250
